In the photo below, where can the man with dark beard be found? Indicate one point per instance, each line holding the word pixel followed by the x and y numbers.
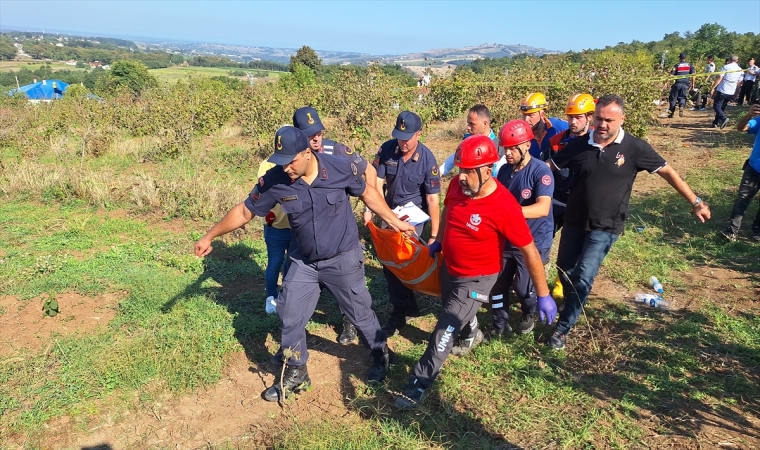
pixel 533 108
pixel 479 215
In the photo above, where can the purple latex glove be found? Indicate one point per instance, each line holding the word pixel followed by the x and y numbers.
pixel 435 247
pixel 547 309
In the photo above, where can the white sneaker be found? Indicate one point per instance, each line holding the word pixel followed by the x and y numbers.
pixel 693 109
pixel 271 305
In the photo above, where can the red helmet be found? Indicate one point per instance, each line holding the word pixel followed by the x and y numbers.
pixel 515 132
pixel 476 151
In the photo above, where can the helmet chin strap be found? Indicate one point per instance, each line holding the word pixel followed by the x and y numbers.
pixel 522 158
pixel 480 183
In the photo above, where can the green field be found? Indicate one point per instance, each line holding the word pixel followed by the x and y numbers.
pixel 169 74
pixel 173 74
pixel 13 66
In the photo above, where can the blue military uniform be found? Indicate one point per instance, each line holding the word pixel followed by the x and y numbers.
pixel 526 185
pixel 327 250
pixel 680 88
pixel 406 181
pixel 331 147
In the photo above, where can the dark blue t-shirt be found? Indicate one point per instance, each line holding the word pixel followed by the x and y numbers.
pixel 320 214
pixel 526 185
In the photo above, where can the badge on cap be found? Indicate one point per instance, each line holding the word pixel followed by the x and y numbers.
pixel 279 142
pixel 403 125
pixel 311 121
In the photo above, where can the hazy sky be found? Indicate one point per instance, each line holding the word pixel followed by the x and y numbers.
pixel 383 27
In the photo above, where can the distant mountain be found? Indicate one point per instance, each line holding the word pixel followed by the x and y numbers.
pixel 282 55
pixel 470 53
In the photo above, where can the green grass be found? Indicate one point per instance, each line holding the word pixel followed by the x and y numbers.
pixel 176 73
pixel 673 240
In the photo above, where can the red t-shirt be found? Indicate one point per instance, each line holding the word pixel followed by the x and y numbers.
pixel 473 240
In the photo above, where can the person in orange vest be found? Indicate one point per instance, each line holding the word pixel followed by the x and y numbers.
pixel 533 108
pixel 580 115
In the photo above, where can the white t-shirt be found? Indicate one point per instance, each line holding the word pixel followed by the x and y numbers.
pixel 748 76
pixel 727 85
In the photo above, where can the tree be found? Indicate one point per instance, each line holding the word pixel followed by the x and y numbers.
pixel 306 56
pixel 130 74
pixel 7 50
pixel 177 58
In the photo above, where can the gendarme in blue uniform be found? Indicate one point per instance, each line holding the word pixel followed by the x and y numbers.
pixel 533 181
pixel 327 252
pixel 331 147
pixel 407 181
pixel 320 214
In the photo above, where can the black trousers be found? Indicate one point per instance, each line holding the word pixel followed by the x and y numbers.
pixel 746 91
pixel 748 188
pixel 678 94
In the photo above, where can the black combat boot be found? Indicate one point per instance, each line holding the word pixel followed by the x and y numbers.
pixel 295 379
pixel 348 335
pixel 381 359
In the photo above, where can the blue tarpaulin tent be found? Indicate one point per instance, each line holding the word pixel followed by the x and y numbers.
pixel 42 90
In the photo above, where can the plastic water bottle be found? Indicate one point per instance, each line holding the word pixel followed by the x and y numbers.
pixel 653 300
pixel 655 284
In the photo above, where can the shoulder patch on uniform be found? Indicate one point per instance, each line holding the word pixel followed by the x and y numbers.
pixel 289 198
pixel 358 159
pixel 525 193
pixel 255 194
pixel 435 182
pixel 354 170
pixel 434 171
pixel 546 180
pixel 391 162
pixel 376 161
pixel 349 150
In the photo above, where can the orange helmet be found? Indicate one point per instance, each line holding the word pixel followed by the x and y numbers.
pixel 532 103
pixel 476 151
pixel 580 104
pixel 515 132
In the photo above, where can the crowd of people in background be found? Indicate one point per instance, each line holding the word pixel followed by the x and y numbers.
pixel 513 192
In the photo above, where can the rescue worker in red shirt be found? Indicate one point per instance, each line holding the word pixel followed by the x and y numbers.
pixel 533 108
pixel 479 216
pixel 580 115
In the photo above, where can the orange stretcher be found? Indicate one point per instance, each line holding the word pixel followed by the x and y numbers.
pixel 408 259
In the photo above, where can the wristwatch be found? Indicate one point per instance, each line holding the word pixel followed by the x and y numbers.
pixel 696 202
